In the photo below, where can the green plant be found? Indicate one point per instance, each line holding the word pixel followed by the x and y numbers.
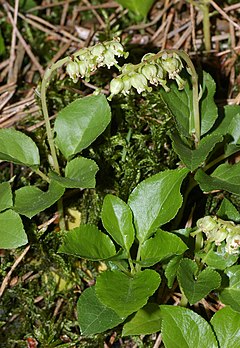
pixel 143 253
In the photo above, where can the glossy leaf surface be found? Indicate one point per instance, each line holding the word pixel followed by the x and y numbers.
pixel 146 321
pixel 160 246
pixel 171 270
pixel 208 108
pixel 18 148
pixel 227 211
pixel 79 173
pixel 226 324
pixel 230 295
pixel 86 241
pixel 5 196
pixel 117 220
pixel 80 123
pixel 93 316
pixel 30 200
pixel 182 328
pixel 155 201
pixel 225 177
pixel 193 158
pixel 125 294
pixel 196 286
pixel 12 234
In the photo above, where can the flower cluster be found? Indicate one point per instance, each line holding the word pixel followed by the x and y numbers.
pixel 151 70
pixel 219 231
pixel 87 60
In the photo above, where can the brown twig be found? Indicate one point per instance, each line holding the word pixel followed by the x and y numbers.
pixel 8 276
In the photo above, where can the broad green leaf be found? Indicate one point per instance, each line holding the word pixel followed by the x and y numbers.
pixel 179 104
pixel 219 259
pixel 93 316
pixel 228 124
pixel 162 245
pixel 5 196
pixel 18 148
pixel 80 123
pixel 139 7
pixel 171 270
pixel 194 158
pixel 208 108
pixel 146 321
pixel 155 201
pixel 226 324
pixel 227 211
pixel 30 200
pixel 79 173
pixel 230 295
pixel 125 294
pixel 225 177
pixel 196 285
pixel 86 241
pixel 182 328
pixel 12 234
pixel 117 220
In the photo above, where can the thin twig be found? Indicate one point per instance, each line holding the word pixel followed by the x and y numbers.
pixel 224 14
pixel 8 276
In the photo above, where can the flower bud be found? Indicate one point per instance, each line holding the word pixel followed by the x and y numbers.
pixel 207 224
pixel 126 84
pixel 139 82
pixel 83 68
pixel 172 64
pixel 116 86
pixel 73 71
pixel 109 59
pixel 150 71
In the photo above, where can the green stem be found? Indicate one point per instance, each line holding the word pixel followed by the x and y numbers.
pixel 43 176
pixel 138 267
pixel 44 86
pixel 206 25
pixel 131 265
pixel 215 161
pixel 184 301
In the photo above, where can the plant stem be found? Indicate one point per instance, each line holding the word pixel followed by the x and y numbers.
pixel 43 176
pixel 184 300
pixel 44 85
pixel 206 25
pixel 138 267
pixel 45 80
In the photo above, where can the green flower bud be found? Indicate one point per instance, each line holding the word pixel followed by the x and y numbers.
pixel 73 71
pixel 83 68
pixel 109 59
pixel 115 47
pixel 172 64
pixel 207 224
pixel 150 71
pixel 128 68
pixel 97 50
pixel 139 82
pixel 217 235
pixel 116 86
pixel 127 84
